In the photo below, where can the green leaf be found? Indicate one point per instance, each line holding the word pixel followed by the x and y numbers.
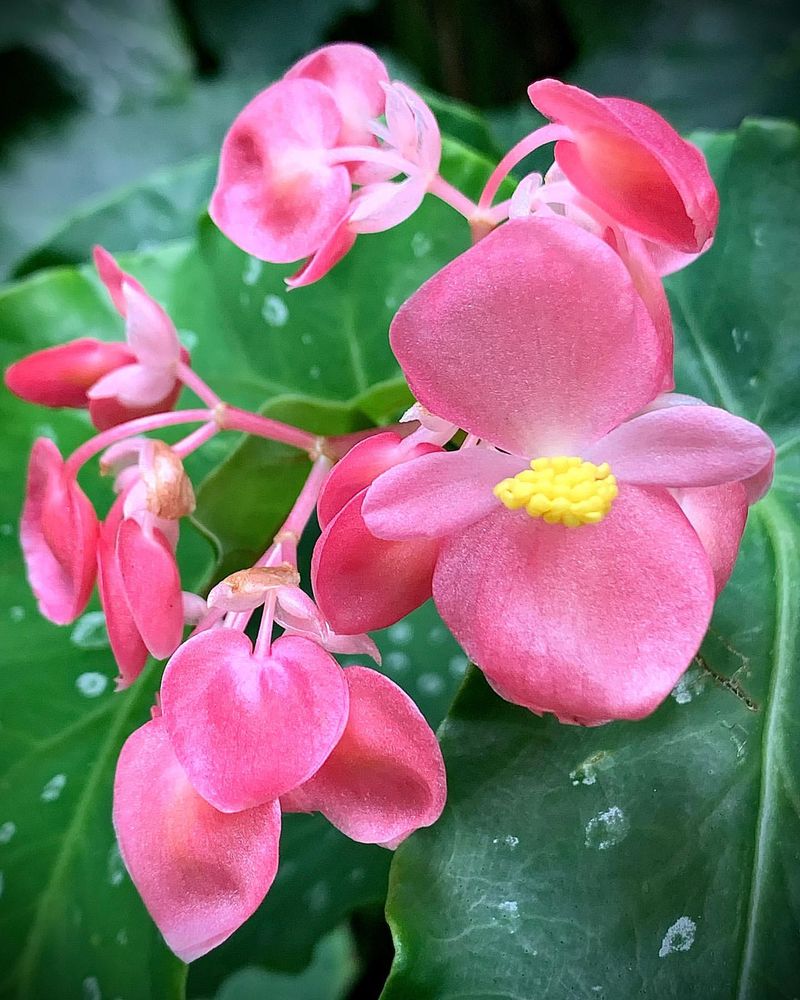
pixel 328 976
pixel 71 923
pixel 163 207
pixel 657 857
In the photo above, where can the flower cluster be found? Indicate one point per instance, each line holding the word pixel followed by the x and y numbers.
pixel 572 517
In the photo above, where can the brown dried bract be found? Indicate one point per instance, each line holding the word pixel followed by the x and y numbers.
pixel 255 581
pixel 169 489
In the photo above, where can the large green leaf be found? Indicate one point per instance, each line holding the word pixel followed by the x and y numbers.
pixel 659 858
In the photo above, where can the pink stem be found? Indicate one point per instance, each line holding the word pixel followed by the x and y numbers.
pixel 305 503
pixel 196 439
pixel 263 642
pixel 548 133
pixel 198 386
pixel 130 428
pixel 371 154
pixel 452 196
pixel 230 418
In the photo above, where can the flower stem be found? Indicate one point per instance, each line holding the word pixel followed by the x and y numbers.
pixel 548 133
pixel 196 439
pixel 197 385
pixel 141 425
pixel 230 418
pixel 452 196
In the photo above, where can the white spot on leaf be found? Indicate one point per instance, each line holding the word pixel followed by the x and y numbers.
pixel 115 866
pixel 397 660
pixel 401 633
pixel 458 666
pixel 253 271
pixel 16 614
pixel 91 989
pixel 679 937
pixel 430 684
pixel 607 829
pixel 421 245
pixel 7 831
pixel 318 896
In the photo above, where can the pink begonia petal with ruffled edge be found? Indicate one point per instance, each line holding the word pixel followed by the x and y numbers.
pixel 629 161
pixel 124 637
pixel 718 514
pixel 58 533
pixel 534 339
pixel 360 466
pixel 276 196
pixel 62 375
pixel 332 250
pixel 249 729
pixel 385 778
pixel 354 74
pixel 361 582
pixel 134 386
pixel 152 585
pixel 438 494
pixel 592 623
pixel 200 872
pixel 684 446
pixel 150 333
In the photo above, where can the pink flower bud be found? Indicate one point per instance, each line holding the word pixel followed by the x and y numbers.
pixel 58 532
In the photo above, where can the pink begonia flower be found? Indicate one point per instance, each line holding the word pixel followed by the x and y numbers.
pixel 200 872
pixel 351 568
pixel 147 383
pixel 249 728
pixel 58 532
pixel 385 778
pixel 632 164
pixel 291 158
pixel 577 583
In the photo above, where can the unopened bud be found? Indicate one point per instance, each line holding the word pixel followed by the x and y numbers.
pixel 168 488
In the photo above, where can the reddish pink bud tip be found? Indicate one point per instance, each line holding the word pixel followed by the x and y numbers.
pixel 62 375
pixel 201 873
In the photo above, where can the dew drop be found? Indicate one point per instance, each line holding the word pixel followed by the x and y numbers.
pixel 7 831
pixel 16 614
pixel 430 684
pixel 421 245
pixel 90 632
pixel 115 866
pixel 275 311
pixel 458 666
pixel 401 633
pixel 253 271
pixel 91 684
pixel 54 787
pixel 91 989
pixel 397 660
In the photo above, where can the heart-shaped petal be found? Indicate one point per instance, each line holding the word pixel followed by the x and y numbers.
pixel 201 873
pixel 248 729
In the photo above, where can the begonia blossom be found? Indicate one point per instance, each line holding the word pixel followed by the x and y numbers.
pixel 567 568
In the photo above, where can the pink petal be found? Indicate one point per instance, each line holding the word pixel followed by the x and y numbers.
pixel 362 582
pixel 61 376
pixel 326 257
pixel 437 494
pixel 152 585
pixel 386 777
pixel 684 446
pixel 276 196
pixel 591 623
pixel 150 333
pixel 247 729
pixel 354 74
pixel 412 128
pixel 58 532
pixel 109 412
pixel 134 385
pixel 718 514
pixel 201 873
pixel 126 642
pixel 386 204
pixel 633 165
pixel 299 615
pixel 535 339
pixel 360 466
pixel 112 276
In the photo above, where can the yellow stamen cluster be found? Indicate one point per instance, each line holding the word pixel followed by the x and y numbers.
pixel 563 490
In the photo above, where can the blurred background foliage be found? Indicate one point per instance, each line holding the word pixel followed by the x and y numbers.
pixel 99 93
pixel 112 116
